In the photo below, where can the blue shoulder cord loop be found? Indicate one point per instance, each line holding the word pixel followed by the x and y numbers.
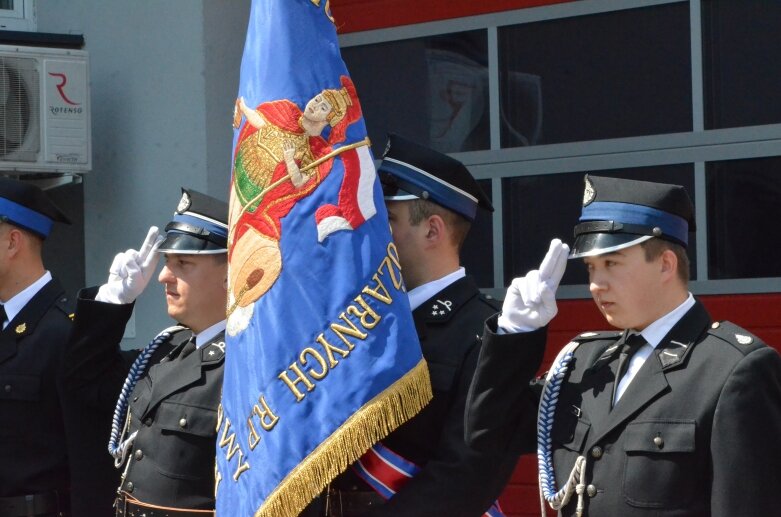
pixel 545 415
pixel 115 448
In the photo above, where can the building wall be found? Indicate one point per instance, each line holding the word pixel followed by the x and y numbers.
pixel 163 76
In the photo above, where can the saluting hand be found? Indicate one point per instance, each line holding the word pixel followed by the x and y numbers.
pixel 531 300
pixel 131 271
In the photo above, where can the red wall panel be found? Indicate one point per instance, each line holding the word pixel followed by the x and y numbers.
pixel 363 15
pixel 757 313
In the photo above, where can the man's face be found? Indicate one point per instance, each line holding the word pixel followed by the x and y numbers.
pixel 626 287
pixel 195 289
pixel 409 241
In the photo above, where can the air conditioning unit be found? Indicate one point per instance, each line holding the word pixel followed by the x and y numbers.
pixel 44 111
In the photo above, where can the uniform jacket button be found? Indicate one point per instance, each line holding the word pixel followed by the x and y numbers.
pixel 183 423
pixel 596 452
pixel 139 454
pixel 148 422
pixel 591 490
pixel 659 442
pixel 7 388
pixel 129 486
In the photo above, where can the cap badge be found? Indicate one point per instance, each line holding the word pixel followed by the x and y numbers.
pixel 744 340
pixel 21 328
pixel 588 334
pixel 588 192
pixel 184 203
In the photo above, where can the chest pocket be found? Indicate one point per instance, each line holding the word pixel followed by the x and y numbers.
pixel 20 387
pixel 186 419
pixel 659 459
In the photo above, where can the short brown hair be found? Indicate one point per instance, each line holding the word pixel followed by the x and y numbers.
pixel 420 209
pixel 655 247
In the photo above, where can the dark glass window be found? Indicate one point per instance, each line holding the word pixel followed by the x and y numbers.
pixel 477 254
pixel 741 42
pixel 540 208
pixel 743 216
pixel 619 74
pixel 432 90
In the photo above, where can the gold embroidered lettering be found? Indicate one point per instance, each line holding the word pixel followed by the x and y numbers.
pixel 350 330
pixel 329 349
pixel 364 316
pixel 309 351
pixel 375 293
pixel 254 438
pixel 393 255
pixel 267 417
pixel 300 377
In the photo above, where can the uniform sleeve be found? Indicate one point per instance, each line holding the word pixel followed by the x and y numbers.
pixel 745 444
pixel 501 407
pixel 94 366
pixel 459 480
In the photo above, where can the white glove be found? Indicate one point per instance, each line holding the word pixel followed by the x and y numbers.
pixel 531 300
pixel 131 271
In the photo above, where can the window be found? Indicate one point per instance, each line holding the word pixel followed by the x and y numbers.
pixel 578 78
pixel 743 216
pixel 17 15
pixel 432 90
pixel 742 77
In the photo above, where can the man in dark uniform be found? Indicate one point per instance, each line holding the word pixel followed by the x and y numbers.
pixel 164 429
pixel 432 200
pixel 671 415
pixel 34 476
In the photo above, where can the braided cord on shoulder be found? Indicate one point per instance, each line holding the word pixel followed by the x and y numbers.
pixel 115 448
pixel 545 415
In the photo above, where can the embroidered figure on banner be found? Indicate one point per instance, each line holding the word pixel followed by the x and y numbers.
pixel 281 157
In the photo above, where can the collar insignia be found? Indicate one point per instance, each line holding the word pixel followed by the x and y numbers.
pixel 21 328
pixel 441 307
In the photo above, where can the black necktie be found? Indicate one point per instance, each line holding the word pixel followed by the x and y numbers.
pixel 628 349
pixel 3 316
pixel 188 348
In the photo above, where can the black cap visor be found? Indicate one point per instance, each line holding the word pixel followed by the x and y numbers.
pixel 591 244
pixel 188 244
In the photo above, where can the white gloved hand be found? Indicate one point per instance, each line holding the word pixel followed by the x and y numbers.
pixel 131 271
pixel 531 300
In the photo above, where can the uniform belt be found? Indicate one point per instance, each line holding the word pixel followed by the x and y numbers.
pixel 344 503
pixel 44 503
pixel 128 506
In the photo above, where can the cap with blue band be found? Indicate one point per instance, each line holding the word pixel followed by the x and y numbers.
pixel 409 170
pixel 618 213
pixel 199 226
pixel 27 206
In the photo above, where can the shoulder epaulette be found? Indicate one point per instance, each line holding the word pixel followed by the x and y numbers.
pixel 597 335
pixel 738 337
pixel 492 302
pixel 65 304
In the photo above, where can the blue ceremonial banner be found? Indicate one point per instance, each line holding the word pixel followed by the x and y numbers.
pixel 322 356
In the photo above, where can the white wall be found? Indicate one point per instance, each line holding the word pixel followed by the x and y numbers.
pixel 163 78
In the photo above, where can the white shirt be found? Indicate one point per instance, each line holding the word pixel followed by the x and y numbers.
pixel 653 334
pixel 15 305
pixel 423 292
pixel 208 334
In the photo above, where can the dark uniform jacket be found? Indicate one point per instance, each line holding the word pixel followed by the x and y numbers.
pixel 695 433
pixel 33 452
pixel 173 406
pixel 455 480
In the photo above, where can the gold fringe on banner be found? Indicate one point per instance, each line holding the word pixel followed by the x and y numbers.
pixel 370 424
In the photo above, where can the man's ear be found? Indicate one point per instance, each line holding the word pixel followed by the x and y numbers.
pixel 435 229
pixel 15 240
pixel 669 263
